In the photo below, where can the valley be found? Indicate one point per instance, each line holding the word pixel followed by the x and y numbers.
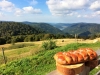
pixel 23 43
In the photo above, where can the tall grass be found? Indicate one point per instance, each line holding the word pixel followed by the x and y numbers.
pixel 19 51
pixel 40 64
pixel 15 46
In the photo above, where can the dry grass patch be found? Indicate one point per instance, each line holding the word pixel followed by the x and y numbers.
pixel 18 53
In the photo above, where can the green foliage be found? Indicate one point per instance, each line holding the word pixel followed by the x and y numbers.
pixel 15 28
pixel 29 38
pixel 2 41
pixel 93 36
pixel 41 63
pixel 48 45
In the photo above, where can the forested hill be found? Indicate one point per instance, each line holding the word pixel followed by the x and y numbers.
pixel 15 28
pixel 45 27
pixel 78 28
pixel 12 32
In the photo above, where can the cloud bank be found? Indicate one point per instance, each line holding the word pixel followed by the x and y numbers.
pixel 7 6
pixel 81 7
pixel 58 9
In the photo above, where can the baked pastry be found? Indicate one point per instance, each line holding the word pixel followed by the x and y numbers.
pixel 74 57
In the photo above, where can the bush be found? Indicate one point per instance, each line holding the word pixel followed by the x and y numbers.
pixel 48 45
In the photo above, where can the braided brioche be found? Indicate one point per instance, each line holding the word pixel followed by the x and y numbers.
pixel 74 57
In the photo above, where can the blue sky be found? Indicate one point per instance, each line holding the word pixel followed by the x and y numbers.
pixel 52 11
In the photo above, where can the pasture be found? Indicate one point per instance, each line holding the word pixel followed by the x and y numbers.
pixel 32 60
pixel 34 47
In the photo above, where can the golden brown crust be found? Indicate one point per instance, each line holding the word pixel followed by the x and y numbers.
pixel 93 54
pixel 80 57
pixel 68 59
pixel 84 54
pixel 74 57
pixel 60 58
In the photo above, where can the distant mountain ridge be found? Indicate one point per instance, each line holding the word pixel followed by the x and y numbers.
pixel 80 28
pixel 54 28
pixel 45 27
pixel 60 26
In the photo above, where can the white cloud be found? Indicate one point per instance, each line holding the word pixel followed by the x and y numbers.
pixel 31 10
pixel 33 2
pixel 1 14
pixel 66 6
pixel 86 16
pixel 76 8
pixel 96 14
pixel 18 12
pixel 27 10
pixel 79 16
pixel 6 5
pixel 95 5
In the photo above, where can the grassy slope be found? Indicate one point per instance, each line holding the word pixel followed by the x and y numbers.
pixel 41 63
pixel 19 50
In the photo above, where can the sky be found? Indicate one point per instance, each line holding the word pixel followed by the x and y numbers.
pixel 51 11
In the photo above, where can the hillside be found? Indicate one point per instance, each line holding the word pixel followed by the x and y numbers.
pixel 83 28
pixel 15 28
pixel 11 32
pixel 45 27
pixel 33 66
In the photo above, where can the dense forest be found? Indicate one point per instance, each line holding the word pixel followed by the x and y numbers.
pixel 11 32
pixel 15 28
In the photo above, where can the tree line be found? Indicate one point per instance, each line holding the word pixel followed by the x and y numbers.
pixel 31 38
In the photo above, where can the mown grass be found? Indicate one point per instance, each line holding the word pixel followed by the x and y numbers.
pixel 17 51
pixel 41 63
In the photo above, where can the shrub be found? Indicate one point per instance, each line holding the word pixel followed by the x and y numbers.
pixel 48 45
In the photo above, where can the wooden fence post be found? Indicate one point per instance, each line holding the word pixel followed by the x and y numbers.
pixel 76 39
pixel 3 55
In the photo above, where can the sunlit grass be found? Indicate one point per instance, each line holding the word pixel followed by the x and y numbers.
pixel 42 62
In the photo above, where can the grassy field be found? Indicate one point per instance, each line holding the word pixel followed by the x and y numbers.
pixel 19 50
pixel 31 48
pixel 32 60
